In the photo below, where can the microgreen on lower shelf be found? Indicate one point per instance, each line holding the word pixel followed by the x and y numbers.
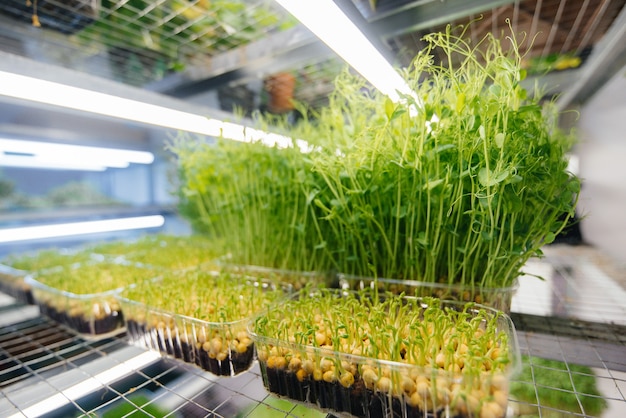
pixel 82 296
pixel 199 317
pixel 386 353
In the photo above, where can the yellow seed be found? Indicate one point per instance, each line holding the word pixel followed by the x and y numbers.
pixel 370 378
pixel 317 374
pixel 216 345
pixel 221 356
pixel 415 373
pixel 423 388
pixel 444 396
pixel 308 366
pixel 384 384
pixel 440 359
pixel 271 362
pixel 500 397
pixel 206 346
pixel 473 404
pixel 408 385
pixel 347 366
pixel 459 360
pixel 280 362
pixel 491 410
pixel 460 405
pixel 326 365
pixel 498 381
pixel 415 400
pixel 454 368
pixel 320 338
pixel 301 375
pixel 295 364
pixel 346 379
pixel 262 355
pixel 329 376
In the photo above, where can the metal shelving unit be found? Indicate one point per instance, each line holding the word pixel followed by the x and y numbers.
pixel 577 316
pixel 48 370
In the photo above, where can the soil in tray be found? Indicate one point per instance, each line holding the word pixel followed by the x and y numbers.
pixel 82 324
pixel 356 400
pixel 232 365
pixel 20 294
pixel 174 347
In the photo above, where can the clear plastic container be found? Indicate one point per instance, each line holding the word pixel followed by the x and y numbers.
pixel 223 348
pixel 297 279
pixel 13 284
pixel 354 385
pixel 91 309
pixel 498 297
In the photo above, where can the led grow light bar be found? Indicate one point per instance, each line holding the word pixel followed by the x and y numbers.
pixel 328 22
pixel 36 161
pixel 79 228
pixel 52 93
pixel 22 153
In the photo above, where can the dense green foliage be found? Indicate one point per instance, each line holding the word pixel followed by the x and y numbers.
pixel 461 183
pixel 93 277
pixel 205 296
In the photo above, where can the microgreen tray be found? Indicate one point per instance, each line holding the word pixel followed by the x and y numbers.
pixel 495 297
pixel 297 279
pixel 353 354
pixel 82 296
pixel 200 317
pixel 12 283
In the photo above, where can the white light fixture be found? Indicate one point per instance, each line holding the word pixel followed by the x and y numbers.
pixel 27 233
pixel 22 153
pixel 47 92
pixel 328 22
pixel 35 161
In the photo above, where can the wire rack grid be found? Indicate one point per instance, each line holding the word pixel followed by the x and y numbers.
pixel 572 367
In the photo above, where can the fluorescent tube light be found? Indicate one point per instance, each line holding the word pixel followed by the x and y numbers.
pixel 22 153
pixel 34 161
pixel 42 91
pixel 107 156
pixel 79 228
pixel 328 22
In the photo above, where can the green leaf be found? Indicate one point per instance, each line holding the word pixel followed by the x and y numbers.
pixel 488 178
pixel 460 102
pixel 432 184
pixel 481 131
pixel 499 139
pixel 389 108
pixel 486 236
pixel 421 239
pixel 320 246
pixel 399 212
pixel 550 237
pixel 399 111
